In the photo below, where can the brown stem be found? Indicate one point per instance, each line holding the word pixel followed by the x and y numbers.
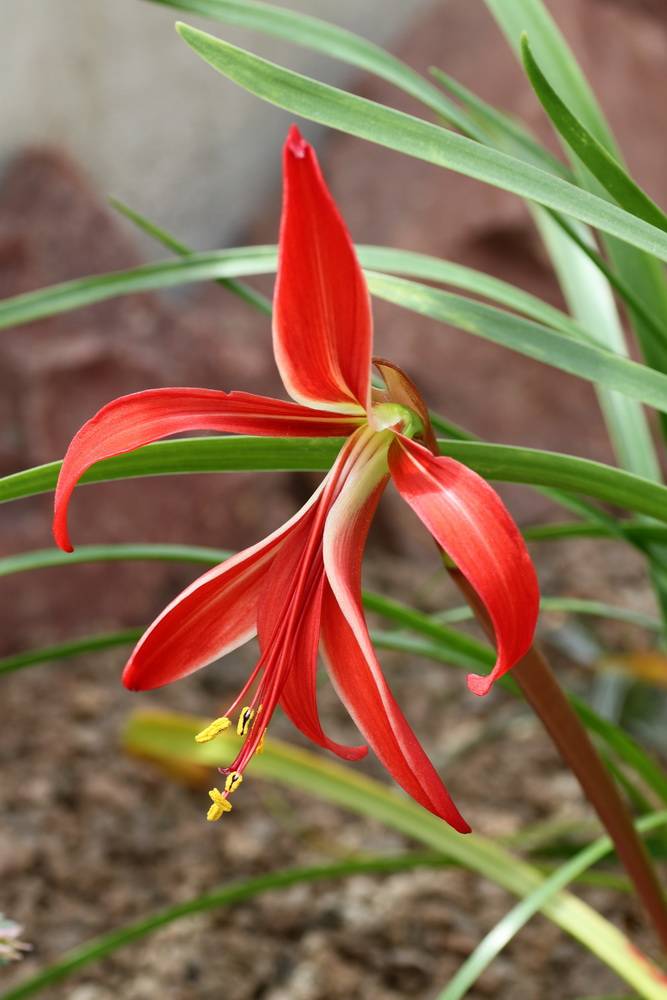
pixel 545 696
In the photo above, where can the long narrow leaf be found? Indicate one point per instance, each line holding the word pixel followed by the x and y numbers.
pixel 600 366
pixel 500 130
pixel 502 463
pixel 604 167
pixel 249 261
pixel 68 650
pixel 637 270
pixel 330 40
pixel 238 288
pixel 404 133
pixel 510 925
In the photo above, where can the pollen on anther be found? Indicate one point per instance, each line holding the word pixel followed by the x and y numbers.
pixel 213 729
pixel 233 781
pixel 245 718
pixel 220 805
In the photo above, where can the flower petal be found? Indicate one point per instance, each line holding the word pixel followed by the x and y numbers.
pixel 214 615
pixel 322 329
pixel 359 681
pixel 469 521
pixel 299 695
pixel 138 419
pixel 349 651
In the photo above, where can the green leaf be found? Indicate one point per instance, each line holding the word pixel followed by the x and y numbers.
pixel 330 40
pixel 67 650
pixel 404 133
pixel 637 271
pixel 81 292
pixel 510 925
pixel 168 739
pixel 502 463
pixel 555 530
pixel 602 367
pixel 248 261
pixel 225 895
pixel 568 605
pixel 624 747
pixel 591 301
pixel 501 130
pixel 453 649
pixel 548 345
pixel 238 288
pixel 590 151
pixel 46 558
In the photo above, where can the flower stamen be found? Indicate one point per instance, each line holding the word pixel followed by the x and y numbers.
pixel 220 805
pixel 213 729
pixel 245 718
pixel 233 781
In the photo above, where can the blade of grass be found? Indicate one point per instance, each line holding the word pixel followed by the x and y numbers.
pixel 553 531
pixel 329 40
pixel 501 130
pixel 510 925
pixel 638 271
pixel 258 260
pixel 598 365
pixel 45 558
pixel 568 605
pixel 501 463
pixel 238 288
pixel 404 133
pixel 592 153
pixel 67 650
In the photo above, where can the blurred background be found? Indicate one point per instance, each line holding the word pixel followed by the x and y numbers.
pixel 103 99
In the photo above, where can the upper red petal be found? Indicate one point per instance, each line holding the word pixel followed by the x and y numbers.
pixel 322 330
pixel 470 522
pixel 138 419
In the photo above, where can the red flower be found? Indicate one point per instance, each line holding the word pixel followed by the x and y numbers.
pixel 300 587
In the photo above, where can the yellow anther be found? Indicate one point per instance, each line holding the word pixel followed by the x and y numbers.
pixel 220 805
pixel 213 729
pixel 260 745
pixel 233 781
pixel 245 718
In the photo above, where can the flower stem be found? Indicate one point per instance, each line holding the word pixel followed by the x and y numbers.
pixel 545 696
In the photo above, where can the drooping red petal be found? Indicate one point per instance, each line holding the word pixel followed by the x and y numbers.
pixel 214 615
pixel 349 651
pixel 299 694
pixel 368 698
pixel 322 328
pixel 470 522
pixel 138 419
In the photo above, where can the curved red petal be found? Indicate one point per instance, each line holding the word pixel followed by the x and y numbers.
pixel 299 694
pixel 138 419
pixel 361 685
pixel 349 651
pixel 470 522
pixel 214 615
pixel 322 330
